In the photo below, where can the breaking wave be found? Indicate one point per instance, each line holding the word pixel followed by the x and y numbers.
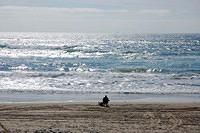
pixel 140 70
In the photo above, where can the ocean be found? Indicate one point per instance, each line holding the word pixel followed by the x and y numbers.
pixel 92 64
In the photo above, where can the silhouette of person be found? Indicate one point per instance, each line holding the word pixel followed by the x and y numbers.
pixel 105 101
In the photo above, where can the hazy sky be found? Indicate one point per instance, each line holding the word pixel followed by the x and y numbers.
pixel 136 16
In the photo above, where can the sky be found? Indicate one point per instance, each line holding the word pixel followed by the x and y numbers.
pixel 126 16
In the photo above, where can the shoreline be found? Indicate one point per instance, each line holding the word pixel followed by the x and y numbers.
pixel 89 117
pixel 53 97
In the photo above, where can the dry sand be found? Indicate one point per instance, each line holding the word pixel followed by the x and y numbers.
pixel 91 118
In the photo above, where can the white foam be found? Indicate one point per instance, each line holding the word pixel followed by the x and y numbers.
pixel 98 82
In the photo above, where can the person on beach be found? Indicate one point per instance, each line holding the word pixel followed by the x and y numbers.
pixel 105 101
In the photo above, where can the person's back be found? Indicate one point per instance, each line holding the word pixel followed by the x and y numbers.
pixel 105 100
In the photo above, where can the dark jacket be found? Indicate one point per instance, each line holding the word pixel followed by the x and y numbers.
pixel 105 100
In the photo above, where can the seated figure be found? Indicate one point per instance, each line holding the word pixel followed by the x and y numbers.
pixel 105 101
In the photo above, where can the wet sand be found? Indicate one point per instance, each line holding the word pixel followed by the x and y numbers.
pixel 91 118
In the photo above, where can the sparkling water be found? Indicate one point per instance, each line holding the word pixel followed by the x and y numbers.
pixel 98 63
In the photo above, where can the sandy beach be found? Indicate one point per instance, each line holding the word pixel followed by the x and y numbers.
pixel 91 118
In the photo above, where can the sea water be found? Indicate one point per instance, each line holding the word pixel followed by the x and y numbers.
pixel 93 63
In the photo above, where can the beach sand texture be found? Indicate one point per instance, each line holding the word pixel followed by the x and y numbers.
pixel 91 118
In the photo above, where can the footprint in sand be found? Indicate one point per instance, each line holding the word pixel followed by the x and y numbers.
pixel 152 119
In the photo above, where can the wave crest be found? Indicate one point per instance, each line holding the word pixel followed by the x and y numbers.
pixel 33 74
pixel 140 70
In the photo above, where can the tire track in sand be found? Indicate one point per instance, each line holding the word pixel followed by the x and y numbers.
pixel 172 120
